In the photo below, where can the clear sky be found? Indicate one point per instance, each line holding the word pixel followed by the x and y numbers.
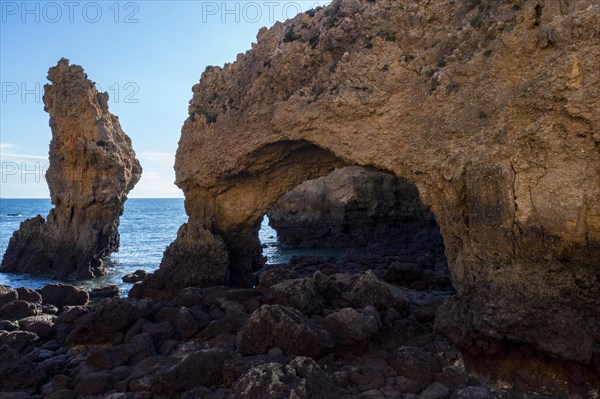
pixel 145 54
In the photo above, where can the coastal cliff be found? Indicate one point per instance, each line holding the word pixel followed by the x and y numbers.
pixel 92 168
pixel 489 108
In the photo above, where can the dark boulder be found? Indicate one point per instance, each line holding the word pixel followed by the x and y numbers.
pixel 371 290
pixel 302 378
pixel 285 328
pixel 299 294
pixel 415 363
pixel 18 340
pixel 105 319
pixel 348 326
pixel 7 294
pixel 42 326
pixel 29 295
pixel 475 392
pixel 61 295
pixel 105 291
pixel 199 368
pixel 16 373
pixel 94 383
pixel 18 309
pixel 134 277
pixel 275 275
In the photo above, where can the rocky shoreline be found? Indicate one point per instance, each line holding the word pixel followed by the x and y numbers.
pixel 357 326
pixel 313 328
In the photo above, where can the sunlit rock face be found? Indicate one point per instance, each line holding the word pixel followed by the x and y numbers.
pixel 92 168
pixel 491 111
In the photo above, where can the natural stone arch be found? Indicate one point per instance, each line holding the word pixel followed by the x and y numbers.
pixel 269 173
pixel 497 128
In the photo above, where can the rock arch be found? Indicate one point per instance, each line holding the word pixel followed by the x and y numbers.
pixel 496 127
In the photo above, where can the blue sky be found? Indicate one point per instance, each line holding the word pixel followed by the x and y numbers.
pixel 145 54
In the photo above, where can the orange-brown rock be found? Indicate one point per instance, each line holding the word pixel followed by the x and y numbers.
pixel 490 108
pixel 92 168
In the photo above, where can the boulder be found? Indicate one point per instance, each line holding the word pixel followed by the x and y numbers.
pixel 472 392
pixel 29 295
pixel 300 294
pixel 19 340
pixel 284 328
pixel 435 391
pixel 415 363
pixel 199 368
pixel 348 326
pixel 105 291
pixel 17 373
pixel 18 309
pixel 134 277
pixel 7 294
pixel 302 378
pixel 42 326
pixel 61 295
pixel 371 290
pixel 105 319
pixel 94 383
pixel 275 275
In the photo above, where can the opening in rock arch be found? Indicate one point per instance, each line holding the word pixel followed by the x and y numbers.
pixel 353 220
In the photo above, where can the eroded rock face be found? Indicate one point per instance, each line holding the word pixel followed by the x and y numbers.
pixel 490 111
pixel 92 168
pixel 349 207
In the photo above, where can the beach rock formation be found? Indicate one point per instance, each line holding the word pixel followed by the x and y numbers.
pixel 349 207
pixel 92 168
pixel 489 107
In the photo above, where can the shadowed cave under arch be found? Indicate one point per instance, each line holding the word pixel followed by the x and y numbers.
pixel 354 220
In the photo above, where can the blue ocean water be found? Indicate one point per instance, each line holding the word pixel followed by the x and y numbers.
pixel 148 226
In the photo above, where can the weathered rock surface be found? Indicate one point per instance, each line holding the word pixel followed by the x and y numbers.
pixel 92 168
pixel 490 110
pixel 349 207
pixel 302 379
pixel 61 295
pixel 284 328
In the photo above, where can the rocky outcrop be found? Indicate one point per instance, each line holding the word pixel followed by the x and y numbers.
pixel 92 168
pixel 489 108
pixel 349 207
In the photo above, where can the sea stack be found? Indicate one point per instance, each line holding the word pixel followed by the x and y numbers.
pixel 92 168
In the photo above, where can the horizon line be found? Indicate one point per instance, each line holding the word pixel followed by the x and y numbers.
pixel 22 198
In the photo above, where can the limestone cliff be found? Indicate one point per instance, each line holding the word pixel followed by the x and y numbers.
pixel 92 168
pixel 349 207
pixel 489 107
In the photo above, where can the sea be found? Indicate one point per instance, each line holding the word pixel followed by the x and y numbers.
pixel 148 226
